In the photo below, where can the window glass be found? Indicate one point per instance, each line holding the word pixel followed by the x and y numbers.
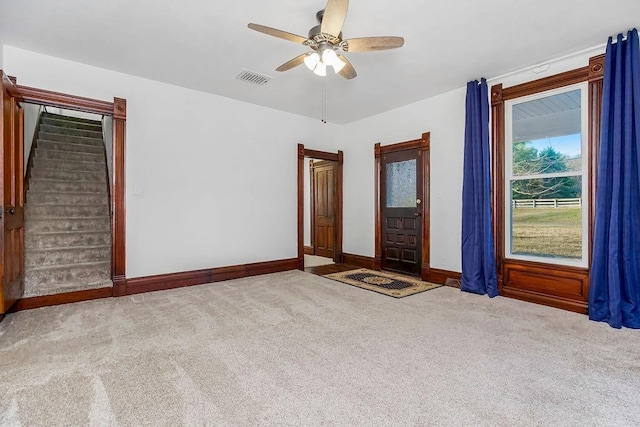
pixel 401 184
pixel 547 227
pixel 547 135
pixel 545 186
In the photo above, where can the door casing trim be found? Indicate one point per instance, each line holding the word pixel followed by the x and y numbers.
pixel 320 155
pixel 423 144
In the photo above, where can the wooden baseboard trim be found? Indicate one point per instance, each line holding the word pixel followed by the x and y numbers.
pixel 64 298
pixel 308 250
pixel 359 261
pixel 162 282
pixel 119 286
pixel 247 270
pixel 440 276
pixel 122 287
pixel 551 301
pixel 210 275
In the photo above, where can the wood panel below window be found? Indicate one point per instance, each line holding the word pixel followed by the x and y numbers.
pixel 557 286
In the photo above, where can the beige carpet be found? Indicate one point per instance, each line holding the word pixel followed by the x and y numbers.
pixel 383 282
pixel 298 349
pixel 316 261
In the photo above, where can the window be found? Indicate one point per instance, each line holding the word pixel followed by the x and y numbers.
pixel 546 177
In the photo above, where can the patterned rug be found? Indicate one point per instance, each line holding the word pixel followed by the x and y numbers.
pixel 391 284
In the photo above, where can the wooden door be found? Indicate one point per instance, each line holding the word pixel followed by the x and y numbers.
pixel 323 176
pixel 12 196
pixel 402 209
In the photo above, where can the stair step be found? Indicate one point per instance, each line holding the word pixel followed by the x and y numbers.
pixel 39 162
pixel 54 121
pixel 66 239
pixel 53 225
pixel 64 211
pixel 65 273
pixel 36 290
pixel 64 198
pixel 70 138
pixel 54 185
pixel 45 185
pixel 68 175
pixel 67 130
pixel 70 119
pixel 69 146
pixel 69 156
pixel 66 255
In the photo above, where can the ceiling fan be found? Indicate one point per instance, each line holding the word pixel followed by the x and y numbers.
pixel 326 42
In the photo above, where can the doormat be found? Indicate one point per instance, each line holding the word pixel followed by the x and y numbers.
pixel 391 284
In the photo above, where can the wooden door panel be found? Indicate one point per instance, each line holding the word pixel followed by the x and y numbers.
pixel 321 237
pixel 409 255
pixel 12 196
pixel 324 183
pixel 330 241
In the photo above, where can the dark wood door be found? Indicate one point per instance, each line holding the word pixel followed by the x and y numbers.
pixel 323 175
pixel 402 209
pixel 12 210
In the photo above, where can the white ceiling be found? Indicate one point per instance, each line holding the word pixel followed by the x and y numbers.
pixel 204 44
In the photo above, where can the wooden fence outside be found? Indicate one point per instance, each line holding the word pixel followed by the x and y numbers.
pixel 547 203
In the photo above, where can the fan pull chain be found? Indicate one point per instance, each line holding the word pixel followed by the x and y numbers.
pixel 324 100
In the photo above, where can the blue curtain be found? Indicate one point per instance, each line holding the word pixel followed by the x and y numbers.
pixel 614 295
pixel 478 260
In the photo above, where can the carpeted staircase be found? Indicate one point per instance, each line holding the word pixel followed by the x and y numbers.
pixel 67 225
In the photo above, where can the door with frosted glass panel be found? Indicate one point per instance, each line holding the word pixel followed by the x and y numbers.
pixel 402 223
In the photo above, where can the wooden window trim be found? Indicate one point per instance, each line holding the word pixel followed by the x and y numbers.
pixel 549 294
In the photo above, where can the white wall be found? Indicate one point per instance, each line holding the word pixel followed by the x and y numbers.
pixel 442 116
pixel 216 177
pixel 1 56
pixel 31 113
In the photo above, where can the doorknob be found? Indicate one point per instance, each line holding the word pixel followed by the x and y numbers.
pixel 417 214
pixel 10 210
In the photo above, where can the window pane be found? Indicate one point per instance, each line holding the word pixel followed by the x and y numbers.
pixel 547 135
pixel 550 224
pixel 401 184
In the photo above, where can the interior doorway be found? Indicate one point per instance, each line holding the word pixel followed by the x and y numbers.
pixel 116 113
pixel 320 212
pixel 319 207
pixel 402 207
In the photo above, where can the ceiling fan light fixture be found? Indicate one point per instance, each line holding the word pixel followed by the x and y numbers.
pixel 327 42
pixel 320 70
pixel 329 57
pixel 338 65
pixel 312 60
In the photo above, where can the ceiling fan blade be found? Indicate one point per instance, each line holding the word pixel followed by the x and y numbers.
pixel 334 15
pixel 348 72
pixel 293 63
pixel 366 44
pixel 277 33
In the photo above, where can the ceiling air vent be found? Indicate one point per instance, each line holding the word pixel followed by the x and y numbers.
pixel 253 77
